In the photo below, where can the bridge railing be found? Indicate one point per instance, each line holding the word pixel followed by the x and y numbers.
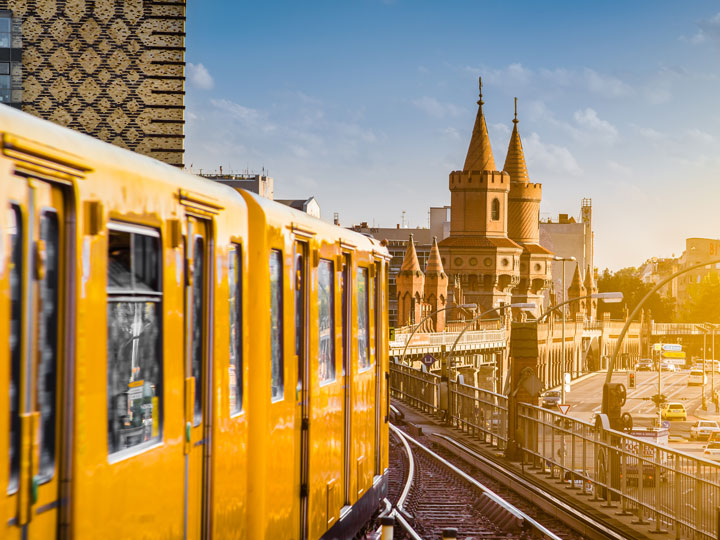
pixel 447 338
pixel 666 489
pixel 675 328
pixel 416 387
pixel 481 413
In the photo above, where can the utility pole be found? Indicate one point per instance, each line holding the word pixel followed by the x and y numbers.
pixel 562 345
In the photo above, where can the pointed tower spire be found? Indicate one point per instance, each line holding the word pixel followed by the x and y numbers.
pixel 434 264
pixel 577 282
pixel 515 159
pixel 410 262
pixel 577 290
pixel 589 281
pixel 479 155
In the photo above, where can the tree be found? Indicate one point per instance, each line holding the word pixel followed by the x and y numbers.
pixel 702 304
pixel 628 282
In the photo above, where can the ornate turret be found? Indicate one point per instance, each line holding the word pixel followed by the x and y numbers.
pixel 436 286
pixel 576 290
pixel 410 283
pixel 590 288
pixel 479 154
pixel 523 224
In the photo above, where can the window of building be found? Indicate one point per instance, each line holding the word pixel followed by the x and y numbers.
pixel 235 369
pixel 5 30
pixel 134 347
pixel 363 317
pixel 326 322
pixel 495 210
pixel 276 325
pixel 14 229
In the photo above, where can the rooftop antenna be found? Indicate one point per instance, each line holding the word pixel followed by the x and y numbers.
pixel 402 220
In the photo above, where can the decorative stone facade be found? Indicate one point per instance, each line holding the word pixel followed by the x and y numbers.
pixel 114 69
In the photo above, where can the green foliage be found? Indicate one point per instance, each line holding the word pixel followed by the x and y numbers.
pixel 628 282
pixel 703 303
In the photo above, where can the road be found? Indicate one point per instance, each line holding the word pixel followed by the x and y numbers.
pixel 585 399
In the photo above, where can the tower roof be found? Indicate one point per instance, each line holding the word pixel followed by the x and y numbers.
pixel 479 155
pixel 576 284
pixel 589 280
pixel 434 264
pixel 515 159
pixel 410 262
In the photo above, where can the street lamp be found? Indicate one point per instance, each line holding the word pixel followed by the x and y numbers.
pixel 520 305
pixel 704 328
pixel 563 260
pixel 418 325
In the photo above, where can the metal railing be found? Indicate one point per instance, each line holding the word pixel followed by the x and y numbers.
pixel 665 489
pixel 662 488
pixel 480 413
pixel 416 387
pixel 664 329
pixel 447 338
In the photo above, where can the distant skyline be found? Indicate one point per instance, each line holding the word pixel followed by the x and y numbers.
pixel 369 105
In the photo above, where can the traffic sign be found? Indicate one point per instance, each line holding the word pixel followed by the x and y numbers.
pixel 428 360
pixel 564 408
pixel 665 424
pixel 657 347
pixel 672 347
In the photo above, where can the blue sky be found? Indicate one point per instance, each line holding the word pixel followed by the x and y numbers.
pixel 368 105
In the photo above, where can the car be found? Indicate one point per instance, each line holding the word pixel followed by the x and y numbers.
pixel 673 411
pixel 697 377
pixel 551 399
pixel 667 366
pixel 704 429
pixel 644 364
pixel 712 366
pixel 712 450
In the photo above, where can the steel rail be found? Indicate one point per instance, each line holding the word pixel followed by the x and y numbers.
pixel 487 491
pixel 559 503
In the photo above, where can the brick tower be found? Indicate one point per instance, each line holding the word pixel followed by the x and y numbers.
pixel 113 69
pixel 410 285
pixel 478 249
pixel 523 225
pixel 436 286
pixel 576 290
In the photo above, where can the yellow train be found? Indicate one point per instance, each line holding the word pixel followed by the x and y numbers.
pixel 179 359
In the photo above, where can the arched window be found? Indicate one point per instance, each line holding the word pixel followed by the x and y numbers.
pixel 496 210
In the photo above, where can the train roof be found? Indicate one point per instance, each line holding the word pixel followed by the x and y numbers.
pixel 99 155
pixel 283 213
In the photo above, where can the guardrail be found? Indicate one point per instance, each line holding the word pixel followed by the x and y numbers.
pixel 417 387
pixel 666 489
pixel 480 413
pixel 664 329
pixel 447 338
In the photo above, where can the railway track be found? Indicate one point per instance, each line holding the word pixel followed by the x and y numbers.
pixel 437 495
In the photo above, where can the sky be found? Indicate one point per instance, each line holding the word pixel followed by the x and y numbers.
pixel 368 105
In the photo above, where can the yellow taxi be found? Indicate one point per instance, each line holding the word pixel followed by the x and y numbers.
pixel 672 411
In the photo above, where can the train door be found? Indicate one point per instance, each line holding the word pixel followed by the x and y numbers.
pixel 346 288
pixel 198 310
pixel 35 241
pixel 302 393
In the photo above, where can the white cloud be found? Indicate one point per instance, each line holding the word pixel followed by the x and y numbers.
pixel 600 129
pixel 699 136
pixel 513 74
pixel 199 76
pixel 591 80
pixel 549 157
pixel 710 28
pixel 620 169
pixel 649 133
pixel 250 118
pixel 437 109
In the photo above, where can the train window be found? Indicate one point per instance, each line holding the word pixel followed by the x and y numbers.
pixel 47 343
pixel 134 349
pixel 363 320
pixel 300 311
pixel 235 305
pixel 14 228
pixel 276 325
pixel 326 322
pixel 198 308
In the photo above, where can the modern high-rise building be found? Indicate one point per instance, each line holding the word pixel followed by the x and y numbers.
pixel 113 69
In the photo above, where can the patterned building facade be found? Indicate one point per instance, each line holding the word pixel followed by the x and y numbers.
pixel 113 69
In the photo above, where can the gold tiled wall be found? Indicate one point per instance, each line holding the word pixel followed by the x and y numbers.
pixel 114 69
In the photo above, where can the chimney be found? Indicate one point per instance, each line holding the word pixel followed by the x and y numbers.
pixel 336 219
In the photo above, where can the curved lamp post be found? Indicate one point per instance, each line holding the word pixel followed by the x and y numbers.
pixel 519 305
pixel 418 325
pixel 635 311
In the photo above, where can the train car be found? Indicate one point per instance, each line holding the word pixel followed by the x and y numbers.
pixel 180 360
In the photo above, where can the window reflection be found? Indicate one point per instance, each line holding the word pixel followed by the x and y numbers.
pixel 14 229
pixel 276 325
pixel 363 336
pixel 235 309
pixel 326 322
